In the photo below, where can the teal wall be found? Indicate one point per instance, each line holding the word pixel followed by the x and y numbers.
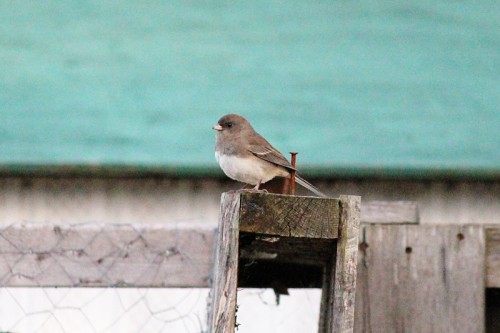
pixel 386 85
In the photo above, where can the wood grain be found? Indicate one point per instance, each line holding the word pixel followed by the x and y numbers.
pixel 111 255
pixel 222 315
pixel 421 279
pixel 291 216
pixel 346 264
pixel 339 275
pixel 403 212
pixel 270 228
pixel 96 255
pixel 285 240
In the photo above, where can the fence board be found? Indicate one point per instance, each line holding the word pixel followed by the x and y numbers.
pixel 390 212
pixel 418 278
pixel 105 255
pixel 97 255
pixel 290 216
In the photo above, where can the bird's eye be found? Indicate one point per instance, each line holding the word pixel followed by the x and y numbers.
pixel 229 124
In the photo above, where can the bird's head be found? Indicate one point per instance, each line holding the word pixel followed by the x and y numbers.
pixel 230 124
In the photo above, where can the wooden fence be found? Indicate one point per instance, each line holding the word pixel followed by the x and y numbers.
pixel 412 278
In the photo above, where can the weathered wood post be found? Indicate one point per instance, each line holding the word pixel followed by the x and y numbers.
pixel 281 241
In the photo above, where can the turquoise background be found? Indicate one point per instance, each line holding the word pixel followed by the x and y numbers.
pixel 382 87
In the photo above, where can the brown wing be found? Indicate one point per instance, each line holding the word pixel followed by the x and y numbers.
pixel 270 154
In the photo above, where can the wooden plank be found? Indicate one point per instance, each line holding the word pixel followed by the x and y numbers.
pixel 421 278
pixel 345 270
pixel 291 216
pixel 105 255
pixel 339 280
pixel 390 212
pixel 286 240
pixel 493 257
pixel 222 315
pixel 99 255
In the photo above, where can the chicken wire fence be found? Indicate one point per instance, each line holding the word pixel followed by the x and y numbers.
pixel 102 310
pixel 148 310
pixel 135 272
pixel 125 278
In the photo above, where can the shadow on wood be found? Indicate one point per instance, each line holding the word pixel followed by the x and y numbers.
pixel 280 241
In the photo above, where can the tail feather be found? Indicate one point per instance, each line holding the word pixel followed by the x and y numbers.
pixel 309 186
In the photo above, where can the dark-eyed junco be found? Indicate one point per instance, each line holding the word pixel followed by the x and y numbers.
pixel 247 157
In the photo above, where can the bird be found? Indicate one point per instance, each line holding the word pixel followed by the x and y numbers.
pixel 245 156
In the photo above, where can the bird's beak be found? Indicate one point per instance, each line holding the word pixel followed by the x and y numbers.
pixel 217 127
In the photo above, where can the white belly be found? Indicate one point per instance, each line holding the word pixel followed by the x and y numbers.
pixel 248 170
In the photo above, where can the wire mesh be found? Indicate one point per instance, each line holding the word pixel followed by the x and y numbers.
pixel 125 278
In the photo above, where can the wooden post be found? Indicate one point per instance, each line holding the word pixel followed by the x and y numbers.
pixel 222 317
pixel 339 275
pixel 291 242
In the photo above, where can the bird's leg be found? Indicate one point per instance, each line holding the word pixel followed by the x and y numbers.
pixel 253 189
pixel 256 188
pixel 249 188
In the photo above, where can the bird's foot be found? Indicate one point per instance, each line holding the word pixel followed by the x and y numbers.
pixel 246 188
pixel 256 188
pixel 252 190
